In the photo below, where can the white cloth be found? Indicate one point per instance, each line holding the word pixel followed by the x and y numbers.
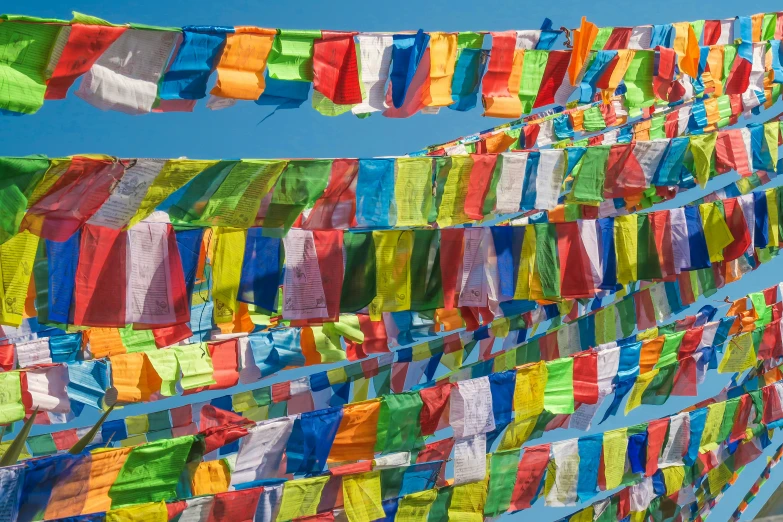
pixel 512 176
pixel 566 457
pixel 470 454
pixel 471 408
pixel 375 53
pixel 261 450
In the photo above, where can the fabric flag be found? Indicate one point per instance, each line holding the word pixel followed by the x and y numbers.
pixel 125 77
pixel 335 70
pixel 471 408
pixel 495 81
pixel 261 270
pixel 291 58
pixel 407 54
pixel 357 435
pixel 443 58
pixel 530 472
pixel 189 70
pixel 566 458
pixel 362 496
pixel 240 69
pixel 301 497
pixel 261 451
pixel 375 57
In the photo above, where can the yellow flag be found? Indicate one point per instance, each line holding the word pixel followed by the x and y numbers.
pixel 152 512
pixel 301 497
pixel 527 264
pixel 716 231
pixel 529 390
pixel 362 496
pixel 709 437
pixel 17 256
pixel 642 382
pixel 227 271
pixel 615 451
pixel 467 502
pixel 673 477
pixel 740 354
pixel 452 202
pixel 443 58
pixel 773 216
pixel 416 506
pixel 413 190
pixel 393 278
pixel 625 245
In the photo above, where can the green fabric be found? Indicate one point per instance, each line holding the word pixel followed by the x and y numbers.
pixel 263 396
pixel 360 287
pixel 670 350
pixel 593 120
pixel 601 38
pixel 728 419
pixel 382 382
pixel 763 311
pixel 426 285
pixel 151 472
pixel 42 445
pixel 707 282
pixel 768 24
pixel 638 80
pixel 491 200
pixel 300 185
pixel 11 407
pixel 533 68
pixel 469 40
pixel 698 28
pixel 137 340
pixel 758 404
pixel 528 353
pixel 503 473
pixel 196 364
pixel 559 390
pixel 657 129
pixel 702 146
pixel 547 264
pixel 610 513
pixel 18 179
pixel 391 482
pixel 291 57
pixel 648 264
pixel 440 508
pixel 167 367
pixel 398 420
pixel 626 311
pixel 278 409
pixel 589 175
pixel 605 325
pixel 729 54
pixel 25 48
pixel 661 386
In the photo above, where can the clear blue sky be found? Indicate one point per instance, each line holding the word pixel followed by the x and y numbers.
pixel 72 126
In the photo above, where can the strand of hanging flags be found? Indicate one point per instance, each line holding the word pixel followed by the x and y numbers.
pixel 650 448
pixel 217 365
pixel 54 198
pixel 758 484
pixel 168 69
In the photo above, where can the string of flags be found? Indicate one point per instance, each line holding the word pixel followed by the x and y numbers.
pixel 140 69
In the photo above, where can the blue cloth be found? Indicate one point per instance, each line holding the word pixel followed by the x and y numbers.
pixel 504 240
pixel 590 448
pixel 574 156
pixel 529 185
pixel 700 257
pixel 419 477
pixel 668 172
pixel 777 63
pixel 40 477
pixel 284 94
pixel 340 394
pixel 261 270
pixel 594 72
pixel 432 366
pixel 189 245
pixel 662 35
pixel 196 58
pixel 586 327
pixel 88 381
pixel 659 483
pixel 697 421
pixel 62 259
pixel 319 381
pixel 563 129
pixel 745 50
pixel 501 386
pixel 762 159
pixel 374 192
pixel 406 55
pixel 467 78
pixel 672 289
pixel 629 360
pixel 274 350
pixel 609 280
pixel 311 439
pixel 637 452
pixel 114 430
pixel 390 509
pixel 745 28
pixel 65 347
pixel 620 391
pixel 761 226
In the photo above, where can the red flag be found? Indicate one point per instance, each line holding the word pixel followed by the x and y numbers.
pixel 225 364
pixel 329 249
pixel 101 278
pixel 645 310
pixel 501 60
pixel 529 474
pixel 555 71
pixel 685 378
pixel 478 186
pixel 772 407
pixel 740 421
pixel 656 435
pixel 7 357
pixel 576 279
pixel 619 39
pixel 86 43
pixel 624 175
pixel 451 245
pixel 235 506
pixel 375 340
pixel 662 232
pixel 730 153
pixel 435 401
pixel 664 78
pixel 336 208
pixel 735 219
pixel 435 451
pixel 219 436
pixel 739 77
pixel 169 335
pixel 212 417
pixel 586 377
pixel 712 32
pixel 335 71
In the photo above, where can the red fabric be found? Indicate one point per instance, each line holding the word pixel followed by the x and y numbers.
pixel 212 417
pixel 100 282
pixel 435 401
pixel 645 310
pixel 624 175
pixel 7 357
pixel 624 504
pixel 478 186
pixel 672 124
pixel 375 340
pixel 656 435
pixel 281 391
pixel 65 440
pixel 576 279
pixel 770 340
pixel 586 377
pixel 686 292
pixel 225 362
pixel 663 79
pixel 739 77
pixel 548 347
pixel 335 70
pixel 619 39
pixel 740 421
pixel 601 473
pixel 555 71
pixel 336 208
pixel 73 198
pixel 501 61
pixel 434 451
pixel 745 454
pixel 529 474
pixel 235 506
pixel 169 335
pixel 219 436
pixel 711 32
pixel 685 379
pixel 175 508
pixel 326 516
pixel 606 75
pixel 350 469
pixel 730 153
pixel 662 231
pixel 531 134
pixel 86 43
pixel 450 264
pixel 181 416
pixel 398 374
pixel 329 248
pixel 690 342
pixel 735 219
pixel 370 368
pixel 771 295
pixel 772 406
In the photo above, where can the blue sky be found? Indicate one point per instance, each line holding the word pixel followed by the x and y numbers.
pixel 72 126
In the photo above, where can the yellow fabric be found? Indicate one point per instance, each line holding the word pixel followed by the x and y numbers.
pixel 615 451
pixel 740 354
pixel 529 390
pixel 702 146
pixel 709 437
pixel 624 57
pixel 416 506
pixel 528 279
pixel 301 498
pixel 716 231
pixel 173 175
pixel 240 71
pixel 443 58
pixel 719 477
pixel 508 106
pixel 167 367
pixel 412 191
pixel 133 377
pixel 362 496
pixel 361 388
pixel 137 424
pixel 642 382
pixel 517 433
pixel 773 216
pixel 715 65
pixel 452 203
pixel 227 271
pixel 17 256
pixel 152 512
pixel 393 277
pixel 467 502
pixel 673 477
pixel 625 244
pixel 211 477
pixel 585 515
pixel 57 167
